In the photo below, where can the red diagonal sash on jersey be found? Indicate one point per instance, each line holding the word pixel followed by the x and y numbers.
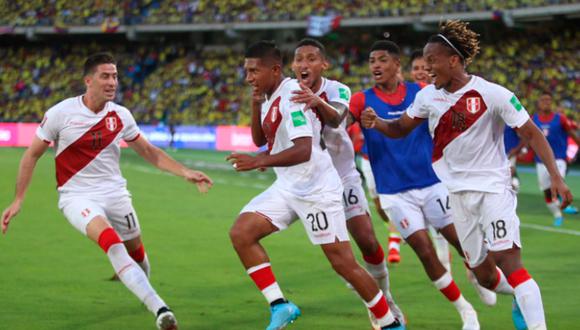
pixel 86 148
pixel 459 118
pixel 272 122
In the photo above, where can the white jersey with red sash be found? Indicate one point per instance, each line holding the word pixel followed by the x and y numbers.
pixel 87 146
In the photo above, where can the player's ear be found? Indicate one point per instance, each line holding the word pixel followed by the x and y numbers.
pixel 325 64
pixel 277 68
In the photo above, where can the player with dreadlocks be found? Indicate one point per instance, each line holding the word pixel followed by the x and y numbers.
pixel 467 116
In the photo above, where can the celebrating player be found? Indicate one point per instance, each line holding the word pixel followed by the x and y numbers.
pixel 556 128
pixel 307 187
pixel 466 116
pixel 409 191
pixel 330 99
pixel 87 131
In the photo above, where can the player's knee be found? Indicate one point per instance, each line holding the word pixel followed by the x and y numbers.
pixel 240 236
pixel 487 280
pixel 425 252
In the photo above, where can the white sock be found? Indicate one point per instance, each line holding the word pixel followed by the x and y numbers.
pixel 447 286
pixel 386 319
pixel 134 277
pixel 529 299
pixel 380 273
pixel 554 207
pixel 503 286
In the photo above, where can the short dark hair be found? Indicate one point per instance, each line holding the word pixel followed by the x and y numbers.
pixel 264 50
pixel 97 59
pixel 388 46
pixel 417 53
pixel 313 43
pixel 546 92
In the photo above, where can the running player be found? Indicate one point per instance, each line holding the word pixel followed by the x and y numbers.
pixel 466 116
pixel 87 131
pixel 410 192
pixel 330 99
pixel 420 75
pixel 307 187
pixel 556 128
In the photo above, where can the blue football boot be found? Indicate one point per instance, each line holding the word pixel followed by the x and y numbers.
pixel 282 315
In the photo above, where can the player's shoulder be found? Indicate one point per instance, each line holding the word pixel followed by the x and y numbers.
pixel 287 86
pixel 335 85
pixel 69 105
pixel 122 111
pixel 488 88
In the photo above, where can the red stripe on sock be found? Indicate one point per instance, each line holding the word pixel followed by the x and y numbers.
pixel 377 258
pixel 548 200
pixel 107 238
pixel 451 291
pixel 139 254
pixel 263 277
pixel 518 277
pixel 394 239
pixel 380 309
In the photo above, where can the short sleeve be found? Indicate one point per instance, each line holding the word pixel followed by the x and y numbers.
pixel 508 107
pixel 419 108
pixel 297 122
pixel 357 104
pixel 131 131
pixel 340 93
pixel 567 124
pixel 49 127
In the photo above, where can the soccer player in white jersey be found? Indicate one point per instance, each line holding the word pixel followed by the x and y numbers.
pixel 307 187
pixel 87 131
pixel 330 99
pixel 466 116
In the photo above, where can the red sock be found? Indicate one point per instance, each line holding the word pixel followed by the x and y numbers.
pixel 377 258
pixel 518 277
pixel 139 254
pixel 107 238
pixel 451 291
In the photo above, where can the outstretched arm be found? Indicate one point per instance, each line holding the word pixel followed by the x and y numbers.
pixel 299 153
pixel 25 171
pixel 530 132
pixel 397 128
pixel 164 162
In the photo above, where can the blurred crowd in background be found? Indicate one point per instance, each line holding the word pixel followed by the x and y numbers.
pixel 95 12
pixel 173 83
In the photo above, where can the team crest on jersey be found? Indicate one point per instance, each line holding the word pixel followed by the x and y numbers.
pixel 473 104
pixel 274 114
pixel 111 123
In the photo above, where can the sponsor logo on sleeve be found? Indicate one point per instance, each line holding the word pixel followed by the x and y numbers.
pixel 516 103
pixel 343 93
pixel 298 118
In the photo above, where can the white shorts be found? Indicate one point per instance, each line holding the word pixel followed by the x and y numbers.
pixel 414 209
pixel 365 167
pixel 485 222
pixel 543 175
pixel 323 218
pixel 353 198
pixel 119 212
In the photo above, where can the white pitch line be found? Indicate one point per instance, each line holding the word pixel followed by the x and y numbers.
pixel 551 229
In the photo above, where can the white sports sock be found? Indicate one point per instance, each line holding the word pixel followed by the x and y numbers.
pixel 380 273
pixel 134 277
pixel 503 286
pixel 529 299
pixel 554 207
pixel 447 286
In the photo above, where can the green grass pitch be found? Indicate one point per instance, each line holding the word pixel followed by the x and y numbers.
pixel 51 277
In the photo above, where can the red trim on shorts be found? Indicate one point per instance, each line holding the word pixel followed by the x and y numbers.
pixel 380 309
pixel 376 258
pixel 451 291
pixel 548 200
pixel 263 277
pixel 518 277
pixel 45 141
pixel 135 138
pixel 87 147
pixel 139 254
pixel 107 238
